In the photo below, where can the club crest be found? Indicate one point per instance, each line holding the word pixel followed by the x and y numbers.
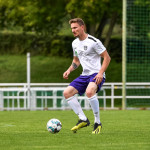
pixel 85 47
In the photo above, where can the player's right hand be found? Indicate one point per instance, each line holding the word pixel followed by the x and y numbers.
pixel 66 74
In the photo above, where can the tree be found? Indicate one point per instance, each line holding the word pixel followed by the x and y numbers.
pixel 41 16
pixel 45 17
pixel 97 13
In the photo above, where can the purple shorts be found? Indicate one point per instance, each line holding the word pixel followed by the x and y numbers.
pixel 82 82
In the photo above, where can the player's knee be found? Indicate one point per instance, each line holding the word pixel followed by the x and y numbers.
pixel 89 93
pixel 66 94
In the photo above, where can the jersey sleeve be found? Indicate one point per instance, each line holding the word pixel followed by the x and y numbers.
pixel 99 47
pixel 74 50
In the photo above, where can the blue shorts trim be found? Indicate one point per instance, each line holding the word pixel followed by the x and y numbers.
pixel 82 82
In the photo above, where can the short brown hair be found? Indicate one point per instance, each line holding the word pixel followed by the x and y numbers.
pixel 77 20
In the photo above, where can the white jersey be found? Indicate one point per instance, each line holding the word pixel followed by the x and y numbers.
pixel 88 52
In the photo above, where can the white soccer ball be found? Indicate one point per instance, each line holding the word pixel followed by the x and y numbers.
pixel 54 125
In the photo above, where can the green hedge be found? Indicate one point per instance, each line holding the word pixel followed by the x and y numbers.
pixel 55 46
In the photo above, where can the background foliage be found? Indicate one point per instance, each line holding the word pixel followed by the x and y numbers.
pixel 36 25
pixel 41 26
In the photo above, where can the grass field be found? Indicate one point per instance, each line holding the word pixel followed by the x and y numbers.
pixel 122 130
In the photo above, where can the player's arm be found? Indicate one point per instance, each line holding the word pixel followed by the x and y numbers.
pixel 106 61
pixel 105 64
pixel 75 64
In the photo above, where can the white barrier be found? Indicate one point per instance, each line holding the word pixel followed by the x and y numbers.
pixel 49 96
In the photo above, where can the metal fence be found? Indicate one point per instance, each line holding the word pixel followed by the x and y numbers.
pixel 49 96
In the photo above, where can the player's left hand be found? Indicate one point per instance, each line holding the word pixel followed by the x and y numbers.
pixel 98 78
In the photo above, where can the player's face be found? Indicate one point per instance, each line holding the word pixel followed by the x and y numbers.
pixel 77 30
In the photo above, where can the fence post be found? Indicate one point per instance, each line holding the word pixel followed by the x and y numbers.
pixel 1 101
pixel 104 99
pixel 33 100
pixel 112 96
pixel 28 81
pixel 54 99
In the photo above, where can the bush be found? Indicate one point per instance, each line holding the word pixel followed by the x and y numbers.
pixel 115 49
pixel 15 43
pixel 22 43
pixel 62 46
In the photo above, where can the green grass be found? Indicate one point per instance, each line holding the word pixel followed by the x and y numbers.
pixel 122 130
pixel 46 69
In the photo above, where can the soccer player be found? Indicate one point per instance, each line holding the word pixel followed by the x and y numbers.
pixel 87 51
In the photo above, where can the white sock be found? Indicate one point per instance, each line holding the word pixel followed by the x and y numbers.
pixel 75 105
pixel 95 107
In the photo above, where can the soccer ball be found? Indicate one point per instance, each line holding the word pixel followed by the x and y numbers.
pixel 54 125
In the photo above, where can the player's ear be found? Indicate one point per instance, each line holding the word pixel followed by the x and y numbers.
pixel 83 27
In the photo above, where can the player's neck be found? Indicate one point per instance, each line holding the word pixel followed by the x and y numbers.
pixel 83 36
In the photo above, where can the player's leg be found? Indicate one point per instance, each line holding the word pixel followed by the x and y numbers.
pixel 69 94
pixel 91 94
